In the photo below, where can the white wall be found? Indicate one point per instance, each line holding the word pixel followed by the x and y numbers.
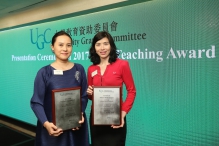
pixel 50 10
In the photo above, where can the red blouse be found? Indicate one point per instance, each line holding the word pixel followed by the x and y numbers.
pixel 115 74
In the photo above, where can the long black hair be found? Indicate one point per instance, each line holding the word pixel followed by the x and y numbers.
pixel 94 57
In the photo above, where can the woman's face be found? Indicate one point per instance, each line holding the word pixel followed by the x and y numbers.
pixel 62 47
pixel 102 48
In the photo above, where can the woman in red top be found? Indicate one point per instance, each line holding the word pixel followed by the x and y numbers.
pixel 109 70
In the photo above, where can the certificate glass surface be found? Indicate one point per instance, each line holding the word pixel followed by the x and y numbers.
pixel 66 107
pixel 106 106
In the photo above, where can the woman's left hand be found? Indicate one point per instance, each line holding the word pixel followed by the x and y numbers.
pixel 123 121
pixel 80 122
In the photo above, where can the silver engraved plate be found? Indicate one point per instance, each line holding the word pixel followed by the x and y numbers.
pixel 106 107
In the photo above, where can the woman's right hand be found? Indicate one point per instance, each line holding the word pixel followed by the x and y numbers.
pixel 90 90
pixel 52 129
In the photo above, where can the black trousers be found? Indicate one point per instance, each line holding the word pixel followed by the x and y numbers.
pixel 107 136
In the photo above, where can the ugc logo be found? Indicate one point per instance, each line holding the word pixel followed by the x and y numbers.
pixel 40 38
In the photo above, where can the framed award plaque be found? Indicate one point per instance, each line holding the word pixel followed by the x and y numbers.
pixel 66 107
pixel 106 106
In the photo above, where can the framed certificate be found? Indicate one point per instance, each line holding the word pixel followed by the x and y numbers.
pixel 106 106
pixel 66 107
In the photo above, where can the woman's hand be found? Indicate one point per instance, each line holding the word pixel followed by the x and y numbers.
pixel 52 129
pixel 80 122
pixel 90 90
pixel 123 121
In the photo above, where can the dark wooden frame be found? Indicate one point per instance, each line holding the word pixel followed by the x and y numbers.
pixel 53 104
